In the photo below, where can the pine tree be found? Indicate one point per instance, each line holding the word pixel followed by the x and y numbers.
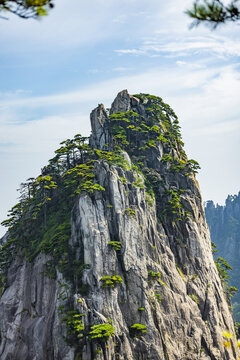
pixel 27 8
pixel 214 12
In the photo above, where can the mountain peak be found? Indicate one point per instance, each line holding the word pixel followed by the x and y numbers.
pixel 108 255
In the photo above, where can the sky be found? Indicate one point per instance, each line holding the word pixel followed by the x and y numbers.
pixel 53 72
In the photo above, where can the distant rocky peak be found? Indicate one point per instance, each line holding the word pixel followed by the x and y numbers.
pixel 100 122
pixel 122 102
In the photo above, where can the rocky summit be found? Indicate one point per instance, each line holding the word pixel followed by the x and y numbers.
pixel 108 254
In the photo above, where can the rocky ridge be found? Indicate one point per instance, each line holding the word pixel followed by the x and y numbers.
pixel 148 286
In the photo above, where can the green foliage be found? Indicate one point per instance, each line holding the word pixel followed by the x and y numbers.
pixel 111 281
pixel 116 245
pixel 98 351
pixel 151 143
pixel 135 133
pixel 81 178
pixel 31 240
pixel 195 276
pixel 158 297
pixel 40 222
pixel 149 198
pixel 27 8
pixel 55 239
pixel 137 330
pixel 112 158
pixel 50 269
pixel 232 290
pixel 101 333
pixel 223 268
pixel 138 183
pixel 7 251
pixel 176 164
pixel 195 298
pixel 154 275
pixel 174 207
pixel 156 104
pixel 39 194
pixel 214 12
pixel 180 273
pixel 214 247
pixel 73 319
pixel 174 203
pixel 237 329
pixel 130 212
pixel 3 279
pixel 183 166
pixel 193 165
pixel 123 180
pixel 140 136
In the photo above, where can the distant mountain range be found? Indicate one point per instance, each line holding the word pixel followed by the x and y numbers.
pixel 224 225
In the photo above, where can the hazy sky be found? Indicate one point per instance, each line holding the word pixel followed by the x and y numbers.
pixel 53 72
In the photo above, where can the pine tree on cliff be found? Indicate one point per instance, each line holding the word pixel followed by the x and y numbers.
pixel 26 8
pixel 214 12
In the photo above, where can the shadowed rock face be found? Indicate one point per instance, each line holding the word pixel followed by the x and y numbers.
pixel 169 280
pixel 30 328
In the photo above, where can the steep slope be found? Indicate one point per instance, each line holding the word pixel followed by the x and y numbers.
pixel 134 276
pixel 224 225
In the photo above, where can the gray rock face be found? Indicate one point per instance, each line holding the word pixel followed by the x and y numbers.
pixel 100 133
pixel 170 283
pixel 30 327
pixel 122 103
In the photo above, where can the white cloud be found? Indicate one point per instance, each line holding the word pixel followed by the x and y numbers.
pixel 43 134
pixel 219 128
pixel 131 51
pixel 187 45
pixel 207 88
pixel 121 69
pixel 181 63
pixel 94 71
pixel 77 23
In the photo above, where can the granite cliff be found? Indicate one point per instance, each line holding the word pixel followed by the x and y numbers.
pixel 108 254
